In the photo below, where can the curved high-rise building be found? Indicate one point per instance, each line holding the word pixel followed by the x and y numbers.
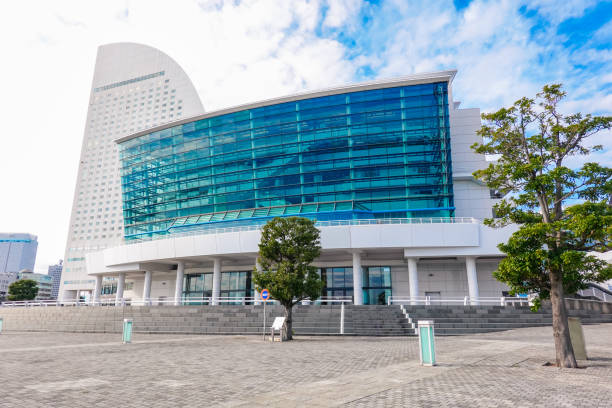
pixel 135 87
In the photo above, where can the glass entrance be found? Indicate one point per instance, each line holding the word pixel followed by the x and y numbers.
pixel 233 284
pixel 376 283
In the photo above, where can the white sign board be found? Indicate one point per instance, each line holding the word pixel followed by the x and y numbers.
pixel 278 323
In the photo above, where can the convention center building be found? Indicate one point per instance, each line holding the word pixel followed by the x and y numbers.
pixel 383 167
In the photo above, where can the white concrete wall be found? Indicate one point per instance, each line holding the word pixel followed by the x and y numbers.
pixel 433 240
pixel 471 198
pixel 449 278
pixel 162 285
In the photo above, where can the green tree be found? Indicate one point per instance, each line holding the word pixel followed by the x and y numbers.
pixel 562 211
pixel 287 248
pixel 23 289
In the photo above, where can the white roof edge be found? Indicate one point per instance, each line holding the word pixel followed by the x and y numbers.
pixel 414 79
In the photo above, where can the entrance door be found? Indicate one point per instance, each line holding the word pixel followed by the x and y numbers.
pixel 434 297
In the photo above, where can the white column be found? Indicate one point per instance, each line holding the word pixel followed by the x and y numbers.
pixel 413 280
pixel 178 288
pixel 472 277
pixel 97 289
pixel 357 279
pixel 146 291
pixel 120 286
pixel 216 289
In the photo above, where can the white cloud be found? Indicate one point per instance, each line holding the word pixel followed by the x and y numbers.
pixel 340 11
pixel 557 11
pixel 241 51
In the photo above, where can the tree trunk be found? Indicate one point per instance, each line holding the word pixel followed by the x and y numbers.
pixel 563 344
pixel 288 327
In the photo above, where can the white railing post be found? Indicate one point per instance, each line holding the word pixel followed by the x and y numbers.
pixel 465 300
pixel 503 301
pixel 341 317
pixel 427 300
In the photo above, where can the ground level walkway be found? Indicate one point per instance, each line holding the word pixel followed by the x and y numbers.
pixel 502 369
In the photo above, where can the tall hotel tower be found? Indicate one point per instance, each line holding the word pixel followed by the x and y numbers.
pixel 135 87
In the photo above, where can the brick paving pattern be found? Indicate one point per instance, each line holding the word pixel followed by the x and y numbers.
pixel 502 369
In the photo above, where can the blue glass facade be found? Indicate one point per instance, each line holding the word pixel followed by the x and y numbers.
pixel 381 153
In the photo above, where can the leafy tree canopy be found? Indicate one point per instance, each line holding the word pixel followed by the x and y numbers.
pixel 287 248
pixel 563 209
pixel 23 289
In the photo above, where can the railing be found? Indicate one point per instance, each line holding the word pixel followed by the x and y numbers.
pixel 597 293
pixel 204 230
pixel 465 301
pixel 168 301
pixel 243 300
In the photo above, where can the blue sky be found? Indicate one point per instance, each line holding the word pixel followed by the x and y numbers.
pixel 238 51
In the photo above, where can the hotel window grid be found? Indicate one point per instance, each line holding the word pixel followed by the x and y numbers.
pixel 381 153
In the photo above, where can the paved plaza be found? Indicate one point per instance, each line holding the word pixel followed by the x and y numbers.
pixel 502 369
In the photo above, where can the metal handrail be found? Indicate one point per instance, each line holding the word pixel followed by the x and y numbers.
pixel 466 300
pixel 336 223
pixel 596 292
pixel 206 300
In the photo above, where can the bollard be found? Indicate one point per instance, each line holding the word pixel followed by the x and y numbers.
pixel 1 322
pixel 127 331
pixel 426 342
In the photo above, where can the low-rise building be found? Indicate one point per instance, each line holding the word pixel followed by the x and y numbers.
pixel 45 283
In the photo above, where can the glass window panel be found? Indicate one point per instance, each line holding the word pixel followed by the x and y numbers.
pixel 308 208
pixel 205 218
pixel 208 277
pixel 261 212
pixel 217 216
pixel 348 277
pixel 225 280
pixel 234 280
pixel 231 215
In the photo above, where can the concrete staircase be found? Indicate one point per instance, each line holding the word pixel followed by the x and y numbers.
pixel 224 319
pixel 377 320
pixel 371 320
pixel 454 320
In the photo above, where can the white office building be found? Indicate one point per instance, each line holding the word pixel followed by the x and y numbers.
pixel 134 87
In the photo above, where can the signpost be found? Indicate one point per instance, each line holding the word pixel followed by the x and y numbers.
pixel 265 295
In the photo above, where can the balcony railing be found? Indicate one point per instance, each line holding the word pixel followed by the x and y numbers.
pixel 461 301
pixel 205 230
pixel 169 301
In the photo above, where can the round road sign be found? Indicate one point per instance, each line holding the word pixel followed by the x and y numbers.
pixel 265 294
